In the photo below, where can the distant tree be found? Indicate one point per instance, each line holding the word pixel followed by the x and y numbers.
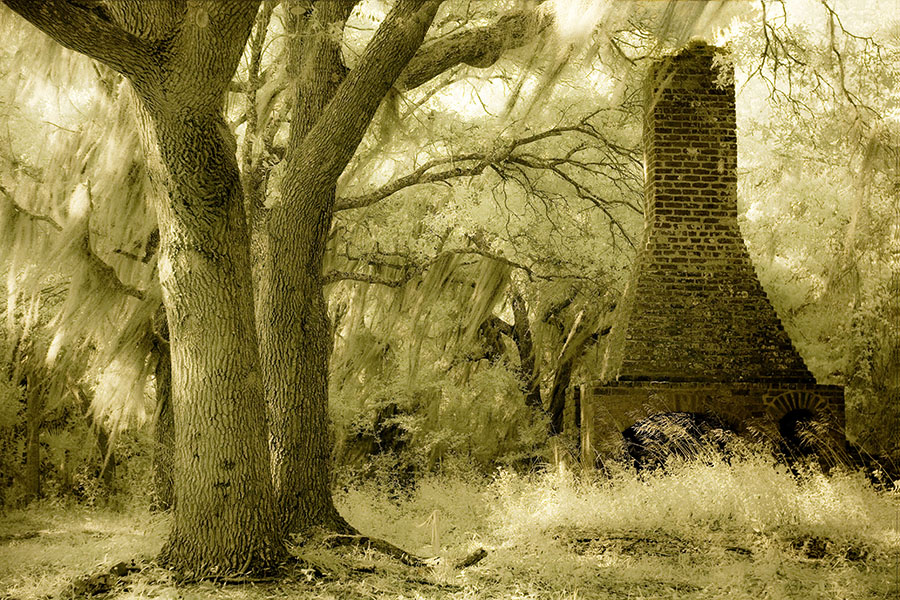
pixel 819 193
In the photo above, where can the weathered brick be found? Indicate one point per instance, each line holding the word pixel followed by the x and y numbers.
pixel 695 322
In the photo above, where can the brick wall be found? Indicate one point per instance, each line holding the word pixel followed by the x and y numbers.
pixel 694 309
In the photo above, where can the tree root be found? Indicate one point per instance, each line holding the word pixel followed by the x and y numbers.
pixel 102 581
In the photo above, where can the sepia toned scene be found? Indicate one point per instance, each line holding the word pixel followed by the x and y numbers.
pixel 450 299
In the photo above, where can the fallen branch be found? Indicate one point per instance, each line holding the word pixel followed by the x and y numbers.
pixel 15 537
pixel 396 552
pixel 472 559
pixel 380 545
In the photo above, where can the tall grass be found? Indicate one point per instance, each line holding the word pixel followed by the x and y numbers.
pixel 741 526
pixel 749 494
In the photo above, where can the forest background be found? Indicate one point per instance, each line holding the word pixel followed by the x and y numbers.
pixel 481 233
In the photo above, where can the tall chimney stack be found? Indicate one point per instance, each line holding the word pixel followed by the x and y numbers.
pixel 694 309
pixel 694 331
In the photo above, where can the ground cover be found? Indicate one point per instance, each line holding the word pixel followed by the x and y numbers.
pixel 739 528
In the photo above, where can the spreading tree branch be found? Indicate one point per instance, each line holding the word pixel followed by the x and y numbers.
pixel 477 47
pixel 417 177
pixel 331 143
pixel 84 26
pixel 100 267
pixel 410 270
pixel 22 210
pixel 473 164
pixel 105 271
pixel 336 276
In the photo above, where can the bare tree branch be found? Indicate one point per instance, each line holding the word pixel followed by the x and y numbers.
pixel 149 251
pixel 22 210
pixel 419 176
pixel 470 165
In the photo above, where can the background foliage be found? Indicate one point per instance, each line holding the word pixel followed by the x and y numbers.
pixel 483 231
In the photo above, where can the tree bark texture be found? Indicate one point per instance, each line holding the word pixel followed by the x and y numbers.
pixel 292 313
pixel 224 507
pixel 332 112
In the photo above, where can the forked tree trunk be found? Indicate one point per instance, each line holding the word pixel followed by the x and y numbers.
pixel 224 518
pixel 328 123
pixel 295 341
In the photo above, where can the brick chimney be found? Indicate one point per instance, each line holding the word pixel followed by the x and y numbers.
pixel 694 309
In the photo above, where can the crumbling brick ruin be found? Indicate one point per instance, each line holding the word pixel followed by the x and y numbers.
pixel 694 331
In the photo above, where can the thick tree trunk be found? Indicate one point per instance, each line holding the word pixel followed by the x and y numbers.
pixel 179 58
pixel 224 517
pixel 295 348
pixel 295 339
pixel 164 433
pixel 34 416
pixel 332 111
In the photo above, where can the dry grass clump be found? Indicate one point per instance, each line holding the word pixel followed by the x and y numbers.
pixel 749 494
pixel 722 527
pixel 739 525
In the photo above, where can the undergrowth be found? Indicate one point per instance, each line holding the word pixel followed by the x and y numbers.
pixel 742 527
pixel 726 527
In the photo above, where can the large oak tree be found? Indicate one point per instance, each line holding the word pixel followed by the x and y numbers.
pixel 179 58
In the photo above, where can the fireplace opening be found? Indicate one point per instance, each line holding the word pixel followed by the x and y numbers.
pixel 797 429
pixel 693 436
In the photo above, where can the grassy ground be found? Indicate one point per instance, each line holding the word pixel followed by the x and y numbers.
pixel 748 529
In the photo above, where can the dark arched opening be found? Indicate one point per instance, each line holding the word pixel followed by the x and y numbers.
pixel 651 442
pixel 796 429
